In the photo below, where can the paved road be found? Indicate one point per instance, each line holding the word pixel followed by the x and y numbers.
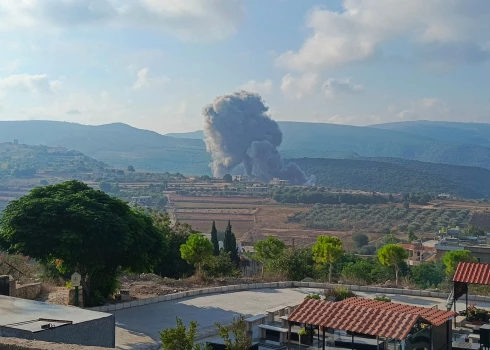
pixel 138 327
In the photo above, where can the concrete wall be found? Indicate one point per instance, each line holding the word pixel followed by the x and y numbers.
pixel 71 296
pixel 481 253
pixel 22 344
pixel 276 285
pixel 99 332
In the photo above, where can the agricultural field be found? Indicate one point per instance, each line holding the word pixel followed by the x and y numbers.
pixel 379 219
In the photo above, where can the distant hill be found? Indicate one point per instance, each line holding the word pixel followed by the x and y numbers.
pixel 117 144
pixel 319 140
pixel 24 161
pixel 390 175
pixel 121 145
pixel 470 133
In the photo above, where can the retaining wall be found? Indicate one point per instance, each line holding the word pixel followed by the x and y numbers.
pixel 277 285
pixel 29 291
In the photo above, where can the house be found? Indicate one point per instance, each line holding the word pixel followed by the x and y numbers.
pixel 144 201
pixel 419 253
pixel 256 188
pixel 240 178
pixel 278 182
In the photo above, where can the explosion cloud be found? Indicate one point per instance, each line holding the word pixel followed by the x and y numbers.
pixel 238 131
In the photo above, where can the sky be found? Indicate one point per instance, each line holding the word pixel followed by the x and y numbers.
pixel 154 64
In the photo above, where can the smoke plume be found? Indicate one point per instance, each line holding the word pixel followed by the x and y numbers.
pixel 238 131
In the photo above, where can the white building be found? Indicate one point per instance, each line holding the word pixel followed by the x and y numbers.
pixel 278 182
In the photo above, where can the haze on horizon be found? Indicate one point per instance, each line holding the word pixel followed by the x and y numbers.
pixel 154 64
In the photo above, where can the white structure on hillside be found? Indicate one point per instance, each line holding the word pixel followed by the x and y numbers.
pixel 278 182
pixel 144 201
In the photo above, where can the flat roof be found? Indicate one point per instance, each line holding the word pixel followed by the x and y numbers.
pixel 29 315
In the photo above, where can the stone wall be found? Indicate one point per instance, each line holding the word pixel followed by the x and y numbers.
pixel 22 344
pixel 30 291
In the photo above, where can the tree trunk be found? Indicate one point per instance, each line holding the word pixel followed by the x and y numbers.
pixel 330 273
pixel 396 275
pixel 262 275
pixel 85 282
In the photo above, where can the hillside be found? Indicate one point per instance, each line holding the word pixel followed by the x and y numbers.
pixel 470 133
pixel 121 145
pixel 320 140
pixel 117 144
pixel 390 175
pixel 24 161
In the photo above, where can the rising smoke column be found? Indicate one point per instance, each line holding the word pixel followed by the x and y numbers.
pixel 238 131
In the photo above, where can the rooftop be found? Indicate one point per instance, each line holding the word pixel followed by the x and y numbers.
pixel 472 273
pixel 30 315
pixel 369 317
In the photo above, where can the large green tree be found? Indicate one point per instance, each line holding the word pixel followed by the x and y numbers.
pixel 392 255
pixel 327 250
pixel 268 250
pixel 453 258
pixel 229 244
pixel 197 250
pixel 214 239
pixel 83 230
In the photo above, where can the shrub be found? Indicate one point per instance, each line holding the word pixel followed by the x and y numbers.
pixel 314 296
pixel 383 299
pixel 339 294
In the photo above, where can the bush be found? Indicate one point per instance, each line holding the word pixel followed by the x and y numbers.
pixel 339 294
pixel 383 299
pixel 221 266
pixel 314 296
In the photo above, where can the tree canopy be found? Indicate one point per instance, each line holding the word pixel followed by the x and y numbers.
pixel 83 229
pixel 392 255
pixel 327 250
pixel 214 239
pixel 197 250
pixel 453 258
pixel 268 250
pixel 229 244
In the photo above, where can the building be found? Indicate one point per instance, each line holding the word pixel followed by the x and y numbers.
pixel 34 320
pixel 143 201
pixel 478 246
pixel 419 253
pixel 240 178
pixel 366 324
pixel 256 188
pixel 278 182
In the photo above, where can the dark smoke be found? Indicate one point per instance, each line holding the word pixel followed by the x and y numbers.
pixel 238 131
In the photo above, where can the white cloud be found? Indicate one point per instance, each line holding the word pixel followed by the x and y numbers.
pixel 335 87
pixel 144 81
pixel 188 19
pixel 10 66
pixel 357 32
pixel 39 83
pixel 299 87
pixel 262 87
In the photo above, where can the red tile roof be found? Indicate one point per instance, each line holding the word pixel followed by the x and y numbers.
pixel 367 316
pixel 472 273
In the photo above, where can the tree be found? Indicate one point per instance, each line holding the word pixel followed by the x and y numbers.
pixel 453 258
pixel 390 198
pixel 406 205
pixel 428 275
pixel 268 250
pixel 358 271
pixel 84 230
pixel 392 255
pixel 229 244
pixel 327 250
pixel 105 186
pixel 411 236
pixel 181 338
pixel 197 250
pixel 240 339
pixel 360 239
pixel 131 169
pixel 228 178
pixel 214 239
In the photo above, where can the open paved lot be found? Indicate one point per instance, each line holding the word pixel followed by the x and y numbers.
pixel 138 327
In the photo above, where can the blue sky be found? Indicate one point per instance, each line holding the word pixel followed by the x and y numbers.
pixel 154 64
